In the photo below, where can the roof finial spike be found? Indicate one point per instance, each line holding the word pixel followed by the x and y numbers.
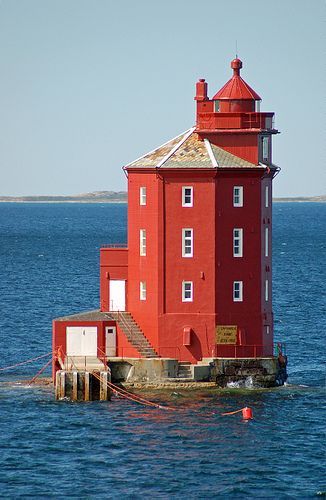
pixel 236 49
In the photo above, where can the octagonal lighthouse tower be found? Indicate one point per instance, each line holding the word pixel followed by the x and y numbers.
pixel 195 281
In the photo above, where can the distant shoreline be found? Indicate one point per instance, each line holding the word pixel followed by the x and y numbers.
pixel 121 197
pixel 64 201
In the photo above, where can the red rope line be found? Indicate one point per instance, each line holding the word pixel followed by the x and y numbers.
pixel 40 371
pixel 133 397
pixel 25 362
pixel 231 412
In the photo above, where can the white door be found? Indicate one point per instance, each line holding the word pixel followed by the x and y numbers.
pixel 117 295
pixel 81 340
pixel 110 341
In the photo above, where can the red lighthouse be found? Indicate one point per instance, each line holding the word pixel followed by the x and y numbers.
pixel 195 280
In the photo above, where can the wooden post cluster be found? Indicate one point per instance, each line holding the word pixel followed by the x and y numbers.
pixel 82 386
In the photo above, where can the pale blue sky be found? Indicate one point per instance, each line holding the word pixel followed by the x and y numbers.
pixel 88 86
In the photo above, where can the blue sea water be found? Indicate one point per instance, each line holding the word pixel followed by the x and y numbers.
pixel 49 266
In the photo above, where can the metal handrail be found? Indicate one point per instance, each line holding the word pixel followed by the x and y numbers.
pixel 70 362
pixel 115 245
pixel 275 347
pixel 122 319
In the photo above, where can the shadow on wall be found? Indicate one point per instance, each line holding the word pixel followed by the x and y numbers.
pixel 120 371
pixel 194 347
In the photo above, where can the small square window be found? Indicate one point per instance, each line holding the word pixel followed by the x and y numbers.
pixel 187 242
pixel 187 291
pixel 142 196
pixel 142 290
pixel 187 196
pixel 237 242
pixel 237 291
pixel 142 242
pixel 238 196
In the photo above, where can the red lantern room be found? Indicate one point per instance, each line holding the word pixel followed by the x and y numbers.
pixel 195 280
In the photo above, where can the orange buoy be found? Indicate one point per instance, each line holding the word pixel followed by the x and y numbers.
pixel 247 413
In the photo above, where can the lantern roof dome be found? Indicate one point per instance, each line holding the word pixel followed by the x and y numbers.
pixel 236 88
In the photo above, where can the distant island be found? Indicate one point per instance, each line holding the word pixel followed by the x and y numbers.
pixel 118 197
pixel 317 199
pixel 95 197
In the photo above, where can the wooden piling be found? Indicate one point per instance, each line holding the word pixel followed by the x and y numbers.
pixel 82 386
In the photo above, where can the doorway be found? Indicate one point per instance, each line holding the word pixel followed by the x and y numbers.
pixel 117 295
pixel 110 341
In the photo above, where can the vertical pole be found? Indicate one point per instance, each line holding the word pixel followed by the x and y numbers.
pixel 86 387
pixel 59 385
pixel 62 384
pixel 103 386
pixel 75 386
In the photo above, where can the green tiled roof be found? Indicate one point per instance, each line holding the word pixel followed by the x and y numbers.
pixel 188 151
pixel 226 159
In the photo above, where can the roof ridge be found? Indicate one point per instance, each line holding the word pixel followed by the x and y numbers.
pixel 176 147
pixel 211 153
pixel 155 149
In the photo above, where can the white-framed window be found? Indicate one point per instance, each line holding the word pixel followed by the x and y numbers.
pixel 142 290
pixel 187 242
pixel 142 195
pixel 266 197
pixel 237 291
pixel 265 148
pixel 267 329
pixel 187 291
pixel 266 241
pixel 142 241
pixel 238 196
pixel 266 290
pixel 237 242
pixel 187 196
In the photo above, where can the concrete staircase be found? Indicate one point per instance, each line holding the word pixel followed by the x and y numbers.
pixel 184 370
pixel 134 334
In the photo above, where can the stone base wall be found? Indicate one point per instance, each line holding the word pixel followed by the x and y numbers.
pixel 260 372
pixel 142 369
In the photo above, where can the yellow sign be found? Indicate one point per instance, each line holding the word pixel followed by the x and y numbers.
pixel 226 334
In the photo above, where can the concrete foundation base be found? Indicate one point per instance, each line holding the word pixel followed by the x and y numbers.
pixel 244 372
pixel 82 386
pixel 256 372
pixel 142 369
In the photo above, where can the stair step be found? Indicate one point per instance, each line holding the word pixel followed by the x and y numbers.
pixel 181 379
pixel 135 335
